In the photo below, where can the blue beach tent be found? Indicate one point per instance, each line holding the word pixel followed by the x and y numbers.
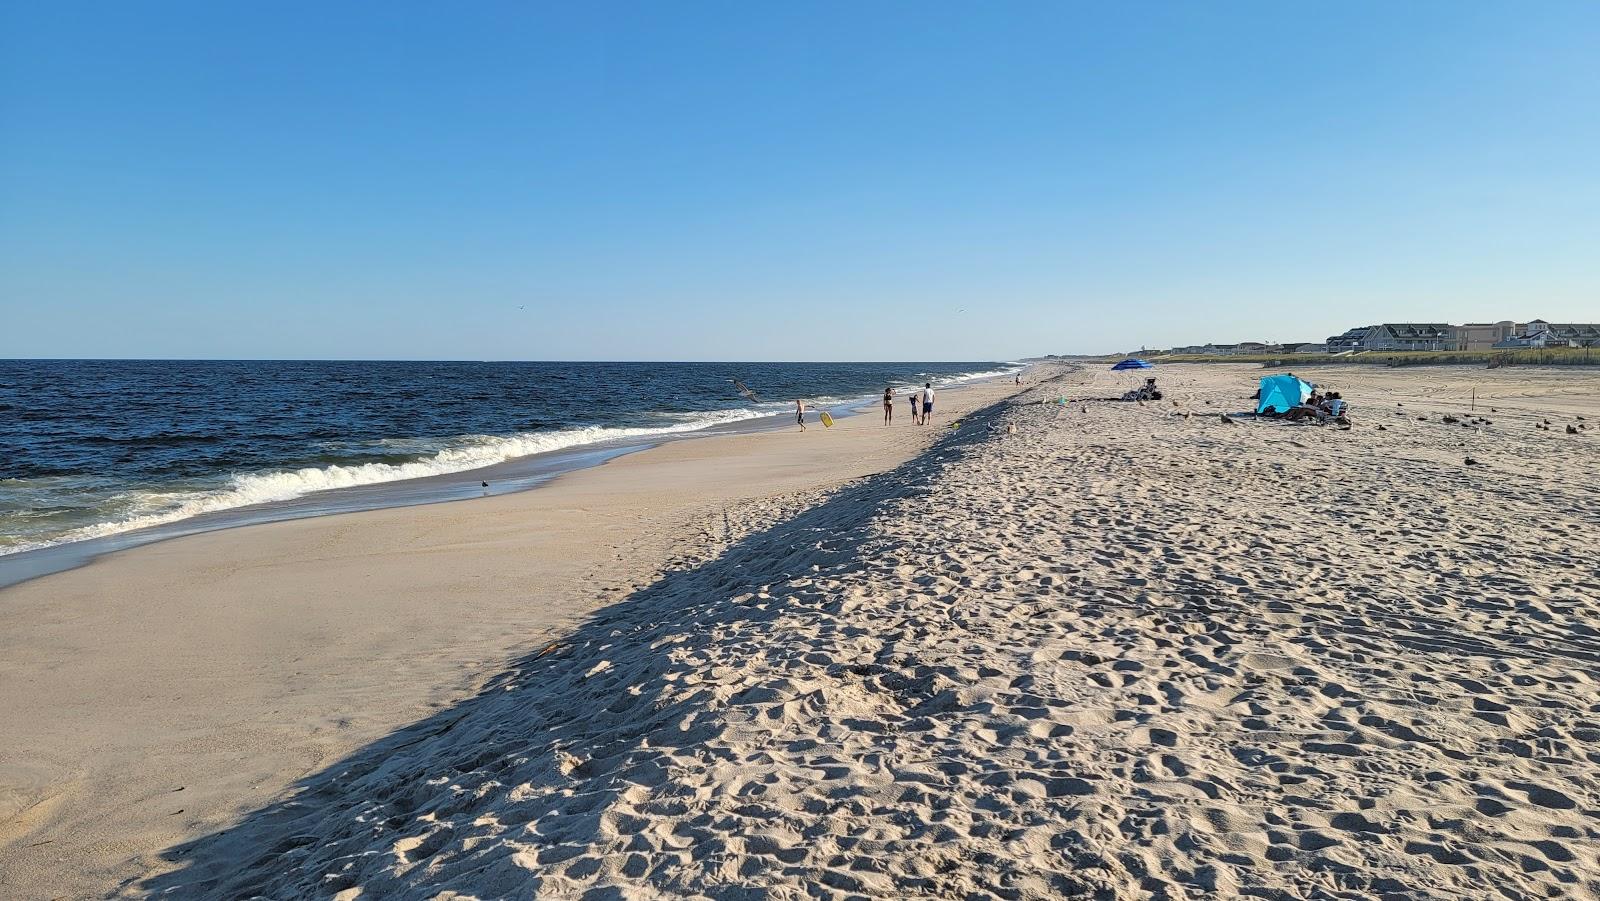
pixel 1280 393
pixel 1132 363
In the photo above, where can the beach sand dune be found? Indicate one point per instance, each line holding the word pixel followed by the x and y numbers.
pixel 1088 649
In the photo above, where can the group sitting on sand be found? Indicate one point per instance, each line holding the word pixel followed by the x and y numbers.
pixel 1323 408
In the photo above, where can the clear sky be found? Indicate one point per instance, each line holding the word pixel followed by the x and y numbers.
pixel 862 180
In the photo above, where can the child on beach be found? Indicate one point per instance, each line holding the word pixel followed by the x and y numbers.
pixel 916 417
pixel 800 413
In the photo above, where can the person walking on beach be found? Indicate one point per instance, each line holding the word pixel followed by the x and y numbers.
pixel 800 413
pixel 927 402
pixel 888 405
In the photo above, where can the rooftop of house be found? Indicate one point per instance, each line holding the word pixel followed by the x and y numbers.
pixel 1418 329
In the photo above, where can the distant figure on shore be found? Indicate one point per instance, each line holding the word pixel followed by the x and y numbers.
pixel 927 402
pixel 916 417
pixel 888 405
pixel 1019 378
pixel 800 413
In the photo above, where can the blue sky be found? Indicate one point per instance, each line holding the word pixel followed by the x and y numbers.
pixel 802 181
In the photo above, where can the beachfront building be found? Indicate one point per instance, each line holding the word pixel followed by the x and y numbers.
pixel 1485 335
pixel 1352 339
pixel 1395 336
pixel 1539 333
pixel 1412 336
pixel 1576 334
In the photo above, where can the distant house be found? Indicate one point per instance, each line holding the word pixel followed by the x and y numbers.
pixel 1539 333
pixel 1519 342
pixel 1352 339
pixel 1396 336
pixel 1577 334
pixel 1306 348
pixel 1484 335
pixel 1412 336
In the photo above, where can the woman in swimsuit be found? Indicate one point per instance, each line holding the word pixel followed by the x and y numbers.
pixel 888 405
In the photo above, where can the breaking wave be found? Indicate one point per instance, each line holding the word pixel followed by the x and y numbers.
pixel 154 508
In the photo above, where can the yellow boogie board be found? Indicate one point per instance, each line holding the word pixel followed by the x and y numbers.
pixel 827 419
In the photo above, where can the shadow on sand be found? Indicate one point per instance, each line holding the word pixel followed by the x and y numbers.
pixel 545 751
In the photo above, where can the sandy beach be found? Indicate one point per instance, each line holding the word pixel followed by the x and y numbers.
pixel 1086 649
pixel 159 693
pixel 402 499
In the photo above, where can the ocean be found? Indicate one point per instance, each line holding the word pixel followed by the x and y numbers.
pixel 96 448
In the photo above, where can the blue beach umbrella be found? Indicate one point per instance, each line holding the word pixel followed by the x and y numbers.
pixel 1282 393
pixel 1131 364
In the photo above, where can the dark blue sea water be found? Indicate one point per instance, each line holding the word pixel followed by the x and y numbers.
pixel 101 447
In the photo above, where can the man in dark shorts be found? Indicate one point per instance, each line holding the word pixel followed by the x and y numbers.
pixel 927 402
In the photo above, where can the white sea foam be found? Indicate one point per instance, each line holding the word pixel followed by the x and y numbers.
pixel 952 381
pixel 150 508
pixel 1007 369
